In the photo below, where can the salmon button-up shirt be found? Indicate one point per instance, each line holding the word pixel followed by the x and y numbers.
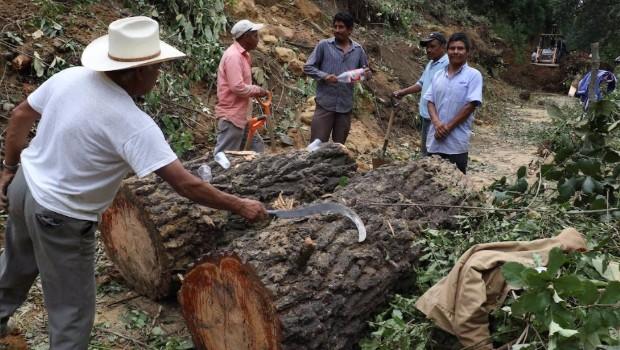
pixel 234 86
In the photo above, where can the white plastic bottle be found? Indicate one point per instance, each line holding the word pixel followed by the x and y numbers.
pixel 222 160
pixel 316 144
pixel 351 76
pixel 204 171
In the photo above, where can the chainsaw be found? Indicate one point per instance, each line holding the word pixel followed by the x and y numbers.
pixel 256 123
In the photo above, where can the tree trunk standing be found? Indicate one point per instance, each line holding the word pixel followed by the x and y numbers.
pixel 152 234
pixel 593 75
pixel 324 286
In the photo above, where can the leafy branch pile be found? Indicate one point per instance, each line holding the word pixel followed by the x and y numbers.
pixel 574 300
pixel 574 304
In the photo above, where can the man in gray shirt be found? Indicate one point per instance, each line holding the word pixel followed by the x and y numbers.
pixel 334 100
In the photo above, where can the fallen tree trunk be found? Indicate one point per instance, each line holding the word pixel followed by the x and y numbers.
pixel 308 284
pixel 152 234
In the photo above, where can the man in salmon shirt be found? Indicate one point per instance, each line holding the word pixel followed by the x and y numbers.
pixel 235 89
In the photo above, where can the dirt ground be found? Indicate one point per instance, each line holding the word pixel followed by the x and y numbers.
pixel 499 149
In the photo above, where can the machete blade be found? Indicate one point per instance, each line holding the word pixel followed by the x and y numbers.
pixel 324 208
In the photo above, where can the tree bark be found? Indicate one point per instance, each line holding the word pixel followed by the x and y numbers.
pixel 307 283
pixel 154 235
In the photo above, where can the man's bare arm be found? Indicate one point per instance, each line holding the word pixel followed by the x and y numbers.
pixel 415 88
pixel 22 119
pixel 191 187
pixel 462 115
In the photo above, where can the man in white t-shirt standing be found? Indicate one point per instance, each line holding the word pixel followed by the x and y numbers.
pixel 89 137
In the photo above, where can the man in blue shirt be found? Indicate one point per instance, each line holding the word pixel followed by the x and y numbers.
pixel 435 45
pixel 334 100
pixel 454 94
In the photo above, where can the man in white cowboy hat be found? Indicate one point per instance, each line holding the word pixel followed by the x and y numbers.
pixel 235 89
pixel 90 135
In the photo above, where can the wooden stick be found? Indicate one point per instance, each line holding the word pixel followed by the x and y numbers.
pixel 133 340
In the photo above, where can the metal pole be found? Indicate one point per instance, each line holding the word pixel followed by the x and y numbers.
pixel 593 75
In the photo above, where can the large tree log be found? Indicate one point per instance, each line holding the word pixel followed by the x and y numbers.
pixel 152 234
pixel 309 279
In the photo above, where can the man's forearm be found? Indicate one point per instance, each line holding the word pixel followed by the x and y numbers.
pixel 432 112
pixel 415 88
pixel 314 72
pixel 22 120
pixel 207 195
pixel 462 115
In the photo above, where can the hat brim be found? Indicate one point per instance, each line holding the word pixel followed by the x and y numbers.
pixel 424 42
pixel 258 26
pixel 95 56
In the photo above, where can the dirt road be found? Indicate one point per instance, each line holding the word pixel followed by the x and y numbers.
pixel 499 149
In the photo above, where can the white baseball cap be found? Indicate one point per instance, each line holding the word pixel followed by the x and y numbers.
pixel 244 26
pixel 131 42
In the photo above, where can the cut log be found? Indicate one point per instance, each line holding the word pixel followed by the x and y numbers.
pixel 323 285
pixel 152 234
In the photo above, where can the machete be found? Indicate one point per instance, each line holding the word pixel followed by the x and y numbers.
pixel 323 208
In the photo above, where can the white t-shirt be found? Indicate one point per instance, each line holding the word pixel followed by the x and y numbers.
pixel 91 134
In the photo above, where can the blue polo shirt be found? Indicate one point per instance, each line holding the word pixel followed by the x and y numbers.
pixel 450 95
pixel 432 67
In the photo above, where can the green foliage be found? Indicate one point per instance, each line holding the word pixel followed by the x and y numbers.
pixel 570 303
pixel 587 162
pixel 194 27
pixel 401 15
pixel 179 138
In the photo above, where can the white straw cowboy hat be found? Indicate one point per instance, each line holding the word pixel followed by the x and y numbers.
pixel 131 42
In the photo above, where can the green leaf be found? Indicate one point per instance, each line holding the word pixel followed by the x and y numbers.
pixel 157 331
pixel 512 273
pixel 611 156
pixel 598 203
pixel 521 185
pixel 589 293
pixel 604 107
pixel 611 295
pixel 567 189
pixel 555 328
pixel 562 315
pixel 614 125
pixel 532 302
pixel 554 111
pixel 588 185
pixel 556 260
pixel 551 172
pixel 589 166
pixel 567 285
pixel 536 280
pixel 593 321
pixel 38 65
pixel 522 172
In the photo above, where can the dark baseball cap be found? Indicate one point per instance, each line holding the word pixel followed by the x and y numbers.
pixel 433 36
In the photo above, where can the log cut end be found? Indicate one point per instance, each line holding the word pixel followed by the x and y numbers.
pixel 226 307
pixel 130 244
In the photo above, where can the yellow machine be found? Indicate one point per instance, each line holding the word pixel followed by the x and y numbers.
pixel 550 51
